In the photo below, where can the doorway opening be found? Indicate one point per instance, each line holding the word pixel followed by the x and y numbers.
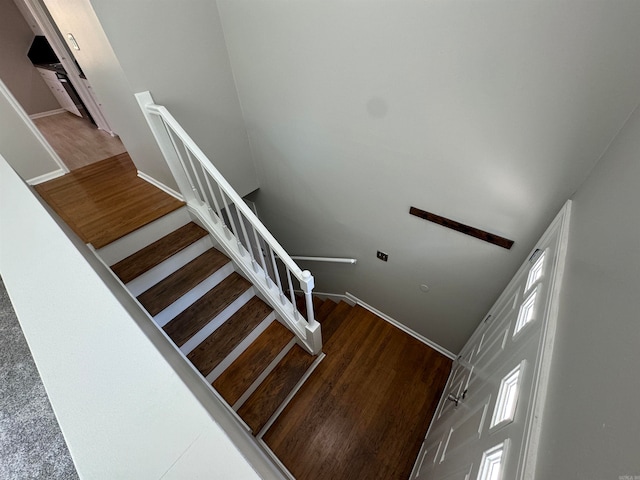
pixel 51 87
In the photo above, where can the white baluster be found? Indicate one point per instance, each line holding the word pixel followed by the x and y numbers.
pixel 292 294
pixel 181 160
pixel 276 273
pixel 218 216
pixel 264 265
pixel 230 216
pixel 195 174
pixel 246 241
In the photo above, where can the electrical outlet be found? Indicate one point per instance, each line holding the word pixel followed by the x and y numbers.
pixel 382 256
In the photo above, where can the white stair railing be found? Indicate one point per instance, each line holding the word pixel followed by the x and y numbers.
pixel 232 223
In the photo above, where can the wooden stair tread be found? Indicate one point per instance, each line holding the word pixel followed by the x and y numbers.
pixel 206 356
pixel 333 321
pixel 262 404
pixel 167 291
pixel 202 311
pixel 236 379
pixel 156 253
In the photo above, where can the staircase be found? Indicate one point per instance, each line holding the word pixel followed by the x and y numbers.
pixel 213 315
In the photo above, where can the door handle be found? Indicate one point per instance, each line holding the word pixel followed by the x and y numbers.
pixel 456 399
pixel 451 397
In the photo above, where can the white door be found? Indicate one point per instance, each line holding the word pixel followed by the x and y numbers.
pixel 485 426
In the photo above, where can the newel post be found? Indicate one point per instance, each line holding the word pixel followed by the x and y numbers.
pixel 314 331
pixel 166 145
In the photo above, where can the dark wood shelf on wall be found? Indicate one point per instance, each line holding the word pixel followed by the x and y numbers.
pixel 462 228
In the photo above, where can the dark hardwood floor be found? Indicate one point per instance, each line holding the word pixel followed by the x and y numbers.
pixel 365 410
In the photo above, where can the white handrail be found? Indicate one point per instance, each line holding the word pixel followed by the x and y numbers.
pixel 196 177
pixel 325 259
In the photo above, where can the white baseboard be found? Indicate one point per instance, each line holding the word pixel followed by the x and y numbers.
pixel 332 296
pixel 160 185
pixel 402 327
pixel 47 114
pixel 46 177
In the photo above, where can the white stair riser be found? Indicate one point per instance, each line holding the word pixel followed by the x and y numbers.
pixel 293 392
pixel 144 236
pixel 182 303
pixel 216 322
pixel 265 373
pixel 161 271
pixel 242 346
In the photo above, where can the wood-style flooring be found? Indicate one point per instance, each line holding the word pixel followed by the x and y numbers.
pixel 76 140
pixel 106 200
pixel 365 410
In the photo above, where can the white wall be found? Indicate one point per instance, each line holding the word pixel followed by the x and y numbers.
pixel 177 52
pixel 591 427
pixel 490 113
pixel 29 157
pixel 127 404
pixel 110 85
pixel 16 71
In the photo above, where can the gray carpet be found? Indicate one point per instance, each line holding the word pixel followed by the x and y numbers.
pixel 31 444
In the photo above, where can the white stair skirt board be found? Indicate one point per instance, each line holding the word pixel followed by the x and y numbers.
pixel 182 303
pixel 160 185
pixel 265 373
pixel 46 177
pixel 276 460
pixel 402 327
pixel 144 236
pixel 293 392
pixel 242 346
pixel 161 271
pixel 216 322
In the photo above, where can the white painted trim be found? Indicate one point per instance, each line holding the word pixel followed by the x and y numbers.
pixel 337 297
pixel 175 262
pixel 264 374
pixel 276 460
pixel 542 371
pixel 415 471
pixel 46 177
pixel 241 347
pixel 160 185
pixel 33 116
pixel 265 453
pixel 144 236
pixel 31 126
pixel 235 415
pixel 292 394
pixel 216 322
pixel 168 132
pixel 193 295
pixel 402 327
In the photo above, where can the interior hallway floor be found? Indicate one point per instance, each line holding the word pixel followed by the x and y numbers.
pixel 364 411
pixel 76 140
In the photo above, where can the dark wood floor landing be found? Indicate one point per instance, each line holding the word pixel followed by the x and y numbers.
pixel 365 410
